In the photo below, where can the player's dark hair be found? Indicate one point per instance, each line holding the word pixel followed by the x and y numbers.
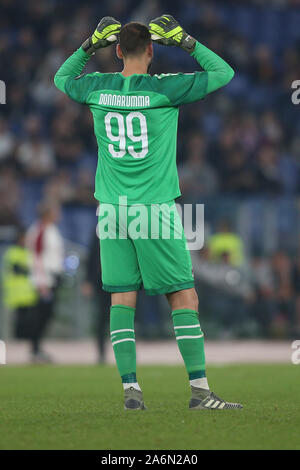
pixel 134 38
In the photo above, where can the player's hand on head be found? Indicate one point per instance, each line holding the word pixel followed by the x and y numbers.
pixel 104 35
pixel 165 30
pixel 106 32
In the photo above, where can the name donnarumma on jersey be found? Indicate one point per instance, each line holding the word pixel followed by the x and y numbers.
pixel 127 101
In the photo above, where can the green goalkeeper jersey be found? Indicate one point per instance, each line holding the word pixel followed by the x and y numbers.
pixel 135 122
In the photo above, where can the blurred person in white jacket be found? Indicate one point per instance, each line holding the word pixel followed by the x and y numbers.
pixel 46 244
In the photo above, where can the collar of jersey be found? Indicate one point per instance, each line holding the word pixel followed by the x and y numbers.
pixel 142 74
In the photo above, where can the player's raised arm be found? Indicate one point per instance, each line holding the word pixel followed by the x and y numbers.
pixel 68 79
pixel 219 73
pixel 166 31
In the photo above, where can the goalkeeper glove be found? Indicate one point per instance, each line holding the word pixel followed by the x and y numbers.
pixel 166 30
pixel 104 35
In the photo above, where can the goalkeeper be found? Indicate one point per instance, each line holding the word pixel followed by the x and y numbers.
pixel 135 121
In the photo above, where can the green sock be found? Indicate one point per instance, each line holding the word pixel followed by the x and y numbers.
pixel 123 341
pixel 190 340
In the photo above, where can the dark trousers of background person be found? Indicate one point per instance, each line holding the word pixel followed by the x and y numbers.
pixel 264 310
pixel 23 323
pixel 43 313
pixel 102 301
pixel 286 308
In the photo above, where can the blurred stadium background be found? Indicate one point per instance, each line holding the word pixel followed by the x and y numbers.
pixel 238 153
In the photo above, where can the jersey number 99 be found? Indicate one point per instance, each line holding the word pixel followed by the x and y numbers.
pixel 121 137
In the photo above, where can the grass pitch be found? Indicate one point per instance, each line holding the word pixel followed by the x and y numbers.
pixel 80 407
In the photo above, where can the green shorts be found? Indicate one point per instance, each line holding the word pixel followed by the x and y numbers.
pixel 143 245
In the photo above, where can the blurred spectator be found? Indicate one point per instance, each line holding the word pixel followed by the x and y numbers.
pixel 262 66
pixel 36 158
pixel 268 172
pixel 197 177
pixel 7 142
pixel 249 134
pixel 84 194
pixel 46 246
pixel 283 288
pixel 66 142
pixel 59 188
pixel 237 174
pixel 296 287
pixel 271 128
pixel 264 308
pixel 19 294
pixel 9 197
pixel 225 291
pixel 225 245
pixel 35 154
